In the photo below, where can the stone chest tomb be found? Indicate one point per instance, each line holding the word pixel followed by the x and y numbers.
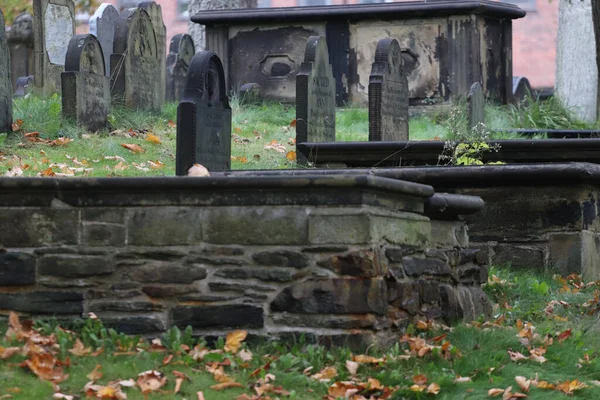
pixel 446 46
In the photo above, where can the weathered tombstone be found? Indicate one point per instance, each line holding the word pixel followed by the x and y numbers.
pixel 315 96
pixel 85 86
pixel 160 31
pixel 20 44
pixel 204 117
pixel 521 89
pixel 135 75
pixel 576 68
pixel 181 51
pixel 5 83
pixel 23 86
pixel 388 94
pixel 53 27
pixel 102 25
pixel 476 106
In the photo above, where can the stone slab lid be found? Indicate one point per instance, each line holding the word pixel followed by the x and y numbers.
pixel 387 11
pixel 317 189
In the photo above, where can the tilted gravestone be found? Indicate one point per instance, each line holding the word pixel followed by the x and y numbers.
pixel 475 106
pixel 53 27
pixel 5 83
pixel 134 64
pixel 181 51
pixel 315 96
pixel 204 117
pixel 388 94
pixel 160 30
pixel 102 25
pixel 85 86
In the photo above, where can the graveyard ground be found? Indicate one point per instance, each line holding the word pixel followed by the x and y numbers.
pixel 143 144
pixel 543 341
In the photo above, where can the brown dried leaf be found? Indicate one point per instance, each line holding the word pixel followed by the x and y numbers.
pixel 524 383
pixel 135 148
pixel 433 388
pixel 352 367
pixel 8 352
pixel 95 374
pixel 326 374
pixel 495 392
pixel 79 349
pixel 153 139
pixel 226 385
pixel 150 381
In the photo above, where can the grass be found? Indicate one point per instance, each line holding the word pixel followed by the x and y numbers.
pixel 254 127
pixel 478 351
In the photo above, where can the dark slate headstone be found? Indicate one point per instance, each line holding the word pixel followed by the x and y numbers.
pixel 23 86
pixel 476 105
pixel 204 117
pixel 315 96
pixel 85 86
pixel 5 83
pixel 20 44
pixel 160 30
pixel 521 88
pixel 53 27
pixel 181 51
pixel 388 94
pixel 102 25
pixel 134 64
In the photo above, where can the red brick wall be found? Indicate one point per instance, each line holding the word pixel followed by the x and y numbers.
pixel 534 37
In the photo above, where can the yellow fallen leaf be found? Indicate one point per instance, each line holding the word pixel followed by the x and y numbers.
pixel 234 340
pixel 153 139
pixel 417 388
pixel 291 155
pixel 326 374
pixel 364 359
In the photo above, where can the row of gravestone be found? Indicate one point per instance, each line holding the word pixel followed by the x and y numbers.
pixel 88 73
pixel 204 115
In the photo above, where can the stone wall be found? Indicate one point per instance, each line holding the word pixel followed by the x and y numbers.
pixel 344 258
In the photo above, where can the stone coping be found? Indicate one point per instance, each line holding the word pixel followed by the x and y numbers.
pixel 386 11
pixel 554 133
pixel 308 189
pixel 446 206
pixel 446 177
pixel 410 153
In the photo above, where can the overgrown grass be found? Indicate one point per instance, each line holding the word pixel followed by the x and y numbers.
pixel 256 129
pixel 479 352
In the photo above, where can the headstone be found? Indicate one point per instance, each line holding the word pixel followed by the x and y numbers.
pixel 102 25
pixel 250 93
pixel 53 27
pixel 476 105
pixel 5 83
pixel 155 12
pixel 576 69
pixel 134 64
pixel 181 51
pixel 388 94
pixel 204 117
pixel 20 44
pixel 23 86
pixel 521 89
pixel 315 96
pixel 85 86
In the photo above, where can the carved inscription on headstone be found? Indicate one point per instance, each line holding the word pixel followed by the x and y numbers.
pixel 476 105
pixel 315 96
pixel 85 86
pixel 155 12
pixel 53 27
pixel 204 117
pixel 180 56
pixel 135 75
pixel 102 25
pixel 5 83
pixel 388 94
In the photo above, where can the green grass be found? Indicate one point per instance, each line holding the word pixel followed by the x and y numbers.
pixel 480 353
pixel 254 128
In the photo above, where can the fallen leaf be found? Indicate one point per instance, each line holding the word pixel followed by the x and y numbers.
pixel 245 355
pixel 569 387
pixel 326 374
pixel 364 359
pixel 8 352
pixel 167 359
pixel 32 134
pixel 462 379
pixel 419 379
pixel 61 141
pixel 352 367
pixel 135 148
pixel 516 356
pixel 155 164
pixel 293 123
pixel 495 392
pixel 234 340
pixel 150 381
pixel 433 388
pixel 291 155
pixel 121 166
pixel 14 171
pixel 226 385
pixel 524 383
pixel 564 335
pixel 171 124
pixel 200 396
pixel 17 125
pixel 417 388
pixel 153 139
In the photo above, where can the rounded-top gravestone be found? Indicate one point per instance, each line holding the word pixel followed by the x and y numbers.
pixel 204 117
pixel 102 25
pixel 315 96
pixel 181 51
pixel 5 83
pixel 134 63
pixel 85 86
pixel 388 94
pixel 160 30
